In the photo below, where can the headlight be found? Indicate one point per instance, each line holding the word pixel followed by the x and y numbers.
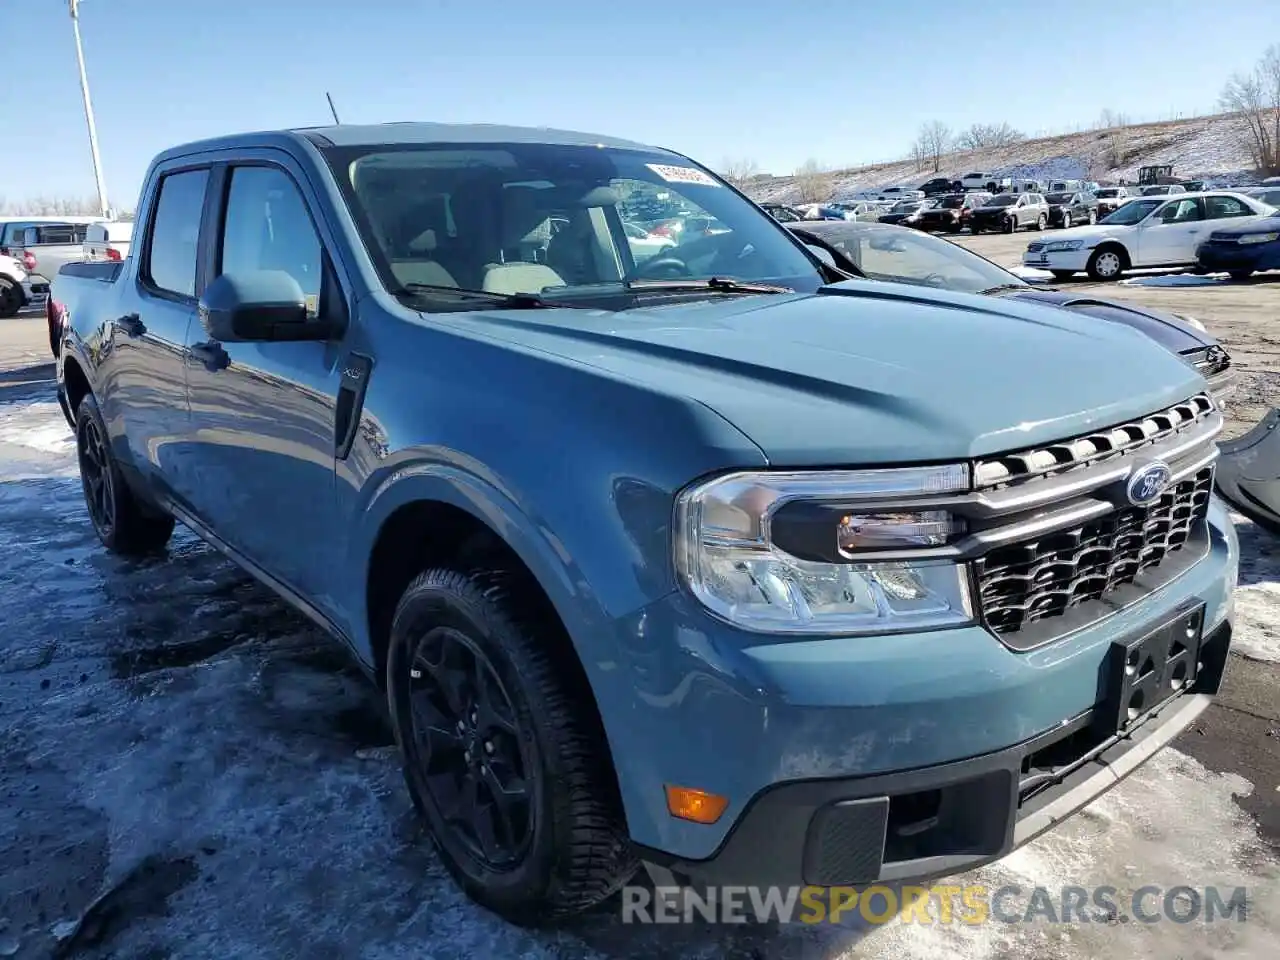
pixel 1258 237
pixel 1058 246
pixel 824 552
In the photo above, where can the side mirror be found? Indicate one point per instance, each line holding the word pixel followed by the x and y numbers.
pixel 258 305
pixel 823 254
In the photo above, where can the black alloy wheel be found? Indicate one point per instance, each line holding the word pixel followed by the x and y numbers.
pixel 96 476
pixel 465 745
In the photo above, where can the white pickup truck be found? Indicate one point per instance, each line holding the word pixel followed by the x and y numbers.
pixel 52 242
pixel 110 240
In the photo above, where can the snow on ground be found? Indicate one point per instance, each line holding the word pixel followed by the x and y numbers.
pixel 191 770
pixel 1258 596
pixel 1176 280
pixel 1030 274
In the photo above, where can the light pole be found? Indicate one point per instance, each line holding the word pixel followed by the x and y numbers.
pixel 74 6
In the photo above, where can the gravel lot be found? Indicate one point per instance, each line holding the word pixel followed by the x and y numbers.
pixel 189 769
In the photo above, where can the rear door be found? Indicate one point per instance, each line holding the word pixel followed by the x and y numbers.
pixel 262 422
pixel 148 397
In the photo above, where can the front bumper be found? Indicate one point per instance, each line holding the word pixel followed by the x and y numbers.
pixel 35 290
pixel 826 747
pixel 1222 257
pixel 1073 260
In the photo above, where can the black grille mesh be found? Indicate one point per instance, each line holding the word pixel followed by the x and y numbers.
pixel 1028 581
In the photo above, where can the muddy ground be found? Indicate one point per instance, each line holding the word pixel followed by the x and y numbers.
pixel 190 769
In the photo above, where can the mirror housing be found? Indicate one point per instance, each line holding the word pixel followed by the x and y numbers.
pixel 258 305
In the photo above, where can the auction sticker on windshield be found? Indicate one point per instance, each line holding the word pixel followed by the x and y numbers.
pixel 681 174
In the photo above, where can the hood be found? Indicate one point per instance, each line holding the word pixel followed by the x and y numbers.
pixel 1098 232
pixel 1166 329
pixel 867 373
pixel 1245 225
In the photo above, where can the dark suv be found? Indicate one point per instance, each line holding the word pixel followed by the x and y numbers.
pixel 1068 209
pixel 1010 212
pixel 953 212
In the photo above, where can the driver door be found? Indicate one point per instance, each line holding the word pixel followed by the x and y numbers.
pixel 1170 235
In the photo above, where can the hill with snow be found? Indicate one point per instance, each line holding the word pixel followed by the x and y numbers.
pixel 1198 148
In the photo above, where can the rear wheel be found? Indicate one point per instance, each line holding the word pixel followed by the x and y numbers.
pixel 123 523
pixel 10 298
pixel 503 757
pixel 1241 274
pixel 1041 222
pixel 1010 224
pixel 1093 217
pixel 1107 263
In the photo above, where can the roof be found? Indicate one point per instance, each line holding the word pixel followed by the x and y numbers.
pixel 350 135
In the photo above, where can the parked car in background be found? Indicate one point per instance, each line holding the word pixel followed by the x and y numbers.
pixel 817 612
pixel 1162 189
pixel 108 240
pixel 903 212
pixel 1241 249
pixel 19 289
pixel 641 242
pixel 980 180
pixel 1110 199
pixel 882 252
pixel 1068 186
pixel 51 244
pixel 1010 212
pixel 1146 232
pixel 824 211
pixel 1268 195
pixel 1068 209
pixel 940 185
pixel 782 212
pixel 1026 186
pixel 952 212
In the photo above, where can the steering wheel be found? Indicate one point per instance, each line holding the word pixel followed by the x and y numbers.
pixel 661 267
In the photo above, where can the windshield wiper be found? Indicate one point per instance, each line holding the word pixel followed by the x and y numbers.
pixel 1001 287
pixel 718 284
pixel 513 301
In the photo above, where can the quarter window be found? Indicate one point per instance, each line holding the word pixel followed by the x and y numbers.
pixel 1219 207
pixel 175 232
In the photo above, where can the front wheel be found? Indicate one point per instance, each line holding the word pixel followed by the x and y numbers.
pixel 503 756
pixel 122 522
pixel 1241 274
pixel 1105 264
pixel 1010 224
pixel 1093 217
pixel 1041 222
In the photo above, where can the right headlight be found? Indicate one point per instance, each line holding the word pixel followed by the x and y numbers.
pixel 1062 245
pixel 827 552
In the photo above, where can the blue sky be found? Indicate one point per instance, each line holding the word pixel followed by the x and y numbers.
pixel 842 81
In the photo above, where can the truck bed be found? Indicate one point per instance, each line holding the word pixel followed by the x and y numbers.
pixel 104 270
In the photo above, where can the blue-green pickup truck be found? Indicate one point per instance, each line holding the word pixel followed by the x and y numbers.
pixel 691 554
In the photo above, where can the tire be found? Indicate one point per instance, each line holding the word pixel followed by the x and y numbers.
pixel 566 848
pixel 1010 224
pixel 123 524
pixel 1067 222
pixel 1093 217
pixel 1241 274
pixel 11 298
pixel 1106 263
pixel 1063 274
pixel 1042 221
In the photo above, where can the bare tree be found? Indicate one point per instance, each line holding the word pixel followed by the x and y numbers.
pixel 1254 99
pixel 1110 119
pixel 51 207
pixel 740 171
pixel 982 135
pixel 934 142
pixel 813 182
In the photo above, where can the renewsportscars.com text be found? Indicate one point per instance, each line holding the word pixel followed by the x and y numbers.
pixel 971 905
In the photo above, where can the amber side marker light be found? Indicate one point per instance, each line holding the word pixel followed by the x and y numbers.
pixel 696 805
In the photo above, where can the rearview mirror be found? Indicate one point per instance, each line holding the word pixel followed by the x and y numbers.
pixel 258 305
pixel 823 254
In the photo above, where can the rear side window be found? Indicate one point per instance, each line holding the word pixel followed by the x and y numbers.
pixel 1219 207
pixel 175 232
pixel 55 234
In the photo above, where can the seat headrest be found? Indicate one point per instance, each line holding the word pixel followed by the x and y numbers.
pixel 425 242
pixel 525 217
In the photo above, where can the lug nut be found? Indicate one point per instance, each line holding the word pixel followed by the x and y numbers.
pixel 466 755
pixel 488 746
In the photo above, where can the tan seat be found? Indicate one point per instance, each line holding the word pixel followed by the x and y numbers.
pixel 526 231
pixel 418 267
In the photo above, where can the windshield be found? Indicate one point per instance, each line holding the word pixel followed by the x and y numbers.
pixel 899 254
pixel 1004 200
pixel 1132 212
pixel 1059 198
pixel 1153 191
pixel 952 203
pixel 544 219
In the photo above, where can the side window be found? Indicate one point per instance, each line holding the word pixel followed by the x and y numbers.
pixel 1181 211
pixel 175 233
pixel 267 227
pixel 1218 207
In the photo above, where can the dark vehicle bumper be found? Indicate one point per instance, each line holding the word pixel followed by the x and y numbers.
pixel 940 820
pixel 1234 256
pixel 989 222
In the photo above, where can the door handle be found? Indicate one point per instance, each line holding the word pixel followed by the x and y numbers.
pixel 210 354
pixel 131 324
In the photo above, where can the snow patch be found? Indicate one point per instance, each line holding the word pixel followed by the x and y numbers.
pixel 1174 280
pixel 1030 274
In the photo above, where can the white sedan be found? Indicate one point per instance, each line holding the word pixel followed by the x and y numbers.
pixel 645 245
pixel 1161 231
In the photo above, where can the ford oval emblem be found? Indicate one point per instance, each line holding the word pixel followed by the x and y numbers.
pixel 1148 482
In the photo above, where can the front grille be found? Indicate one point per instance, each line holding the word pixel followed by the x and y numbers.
pixel 1028 581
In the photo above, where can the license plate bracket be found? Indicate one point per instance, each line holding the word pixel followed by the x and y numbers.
pixel 1142 672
